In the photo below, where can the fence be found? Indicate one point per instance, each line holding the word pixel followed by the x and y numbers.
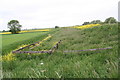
pixel 49 51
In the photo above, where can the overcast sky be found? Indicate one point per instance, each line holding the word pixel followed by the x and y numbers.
pixel 49 13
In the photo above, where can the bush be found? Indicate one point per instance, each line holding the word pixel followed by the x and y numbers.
pixel 56 26
pixel 110 20
pixel 85 23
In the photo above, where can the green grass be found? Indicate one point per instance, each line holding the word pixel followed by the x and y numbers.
pixel 13 38
pixel 12 41
pixel 88 64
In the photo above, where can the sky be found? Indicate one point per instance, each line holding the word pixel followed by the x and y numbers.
pixel 50 13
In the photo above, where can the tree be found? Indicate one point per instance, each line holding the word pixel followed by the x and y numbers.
pixel 85 23
pixel 14 26
pixel 110 20
pixel 3 31
pixel 56 26
pixel 96 22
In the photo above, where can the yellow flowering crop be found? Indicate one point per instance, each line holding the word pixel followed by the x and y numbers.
pixel 6 33
pixel 87 26
pixel 35 30
pixel 8 57
pixel 27 31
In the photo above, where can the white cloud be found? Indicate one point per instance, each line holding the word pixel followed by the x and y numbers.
pixel 48 13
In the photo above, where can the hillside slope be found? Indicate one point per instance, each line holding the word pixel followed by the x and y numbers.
pixel 100 64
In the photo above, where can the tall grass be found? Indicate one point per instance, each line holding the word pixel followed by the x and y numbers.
pixel 89 64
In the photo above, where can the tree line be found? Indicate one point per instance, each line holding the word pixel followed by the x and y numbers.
pixel 110 20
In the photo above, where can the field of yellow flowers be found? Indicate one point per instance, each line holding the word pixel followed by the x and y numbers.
pixel 27 31
pixel 86 26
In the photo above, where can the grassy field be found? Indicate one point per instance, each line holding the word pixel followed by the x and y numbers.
pixel 88 64
pixel 11 41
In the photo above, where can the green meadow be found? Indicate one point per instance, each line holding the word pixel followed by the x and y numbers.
pixel 85 64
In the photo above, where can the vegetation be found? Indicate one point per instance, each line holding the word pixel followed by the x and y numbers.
pixel 86 26
pixel 14 26
pixel 23 31
pixel 89 64
pixel 96 22
pixel 3 31
pixel 18 39
pixel 56 26
pixel 85 23
pixel 110 20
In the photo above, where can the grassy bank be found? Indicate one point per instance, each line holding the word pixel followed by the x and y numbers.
pixel 89 64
